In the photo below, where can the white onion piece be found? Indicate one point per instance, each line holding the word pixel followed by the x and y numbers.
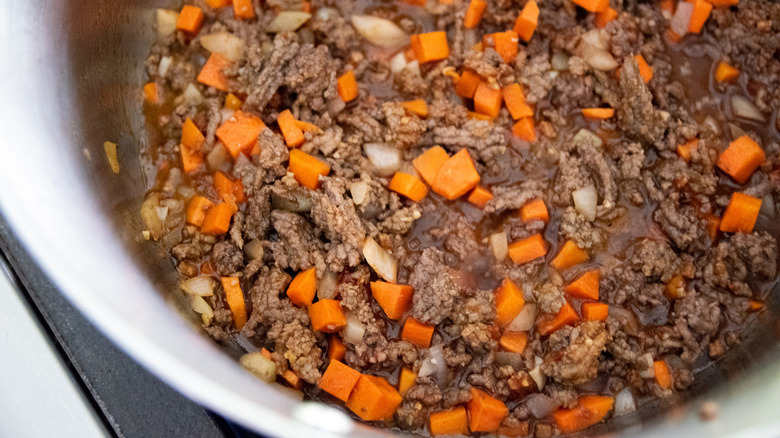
pixel 767 206
pixel 327 13
pixel 538 376
pixel 149 215
pixel 162 213
pixel 471 38
pixel 359 191
pixel 586 136
pixel 335 105
pixel 524 320
pixel 380 260
pixel 681 21
pixel 380 31
pixel 559 61
pixel 192 95
pixel 110 149
pixel 595 38
pixel 186 192
pixel 433 364
pixel 624 402
pixel 201 286
pixel 386 158
pixel 414 67
pixel 217 158
pixel 260 366
pixel 164 65
pixel 585 201
pixel 326 289
pixel 598 58
pixel 645 366
pixel 245 343
pixel 626 317
pixel 166 22
pixel 499 245
pixel 288 21
pixel 508 358
pixel 224 43
pixel 540 405
pixel 398 62
pixel 226 114
pixel 354 330
pixel 712 124
pixel 742 107
pixel 200 306
pixel 253 249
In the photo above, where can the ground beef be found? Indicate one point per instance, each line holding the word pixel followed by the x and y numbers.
pixel 227 257
pixel 335 214
pixel 436 292
pixel 403 131
pixel 578 362
pixel 297 247
pixel 731 263
pixel 636 115
pixel 272 76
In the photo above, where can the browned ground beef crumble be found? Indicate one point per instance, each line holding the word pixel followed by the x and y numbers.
pixel 650 221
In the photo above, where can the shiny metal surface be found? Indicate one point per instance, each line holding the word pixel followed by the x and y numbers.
pixel 70 80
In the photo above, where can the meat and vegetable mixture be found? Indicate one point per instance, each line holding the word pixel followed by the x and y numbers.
pixel 515 217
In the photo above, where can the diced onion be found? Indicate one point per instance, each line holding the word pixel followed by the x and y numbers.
pixel 380 260
pixel 380 31
pixel 586 136
pixel 185 191
pixel 259 365
pixel 681 20
pixel 327 13
pixel 508 358
pixel 165 64
pixel 192 95
pixel 359 191
pixel 596 39
pixel 712 123
pixel 224 43
pixel 166 22
pixel 768 206
pixel 540 405
pixel 645 366
pixel 742 107
pixel 288 21
pixel 149 215
pixel 386 158
pixel 200 306
pixel 335 105
pixel 202 286
pixel 162 213
pixel 538 376
pixel 433 364
pixel 253 249
pixel 559 61
pixel 296 201
pixel 499 245
pixel 599 59
pixel 524 320
pixel 626 317
pixel 226 114
pixel 245 343
pixel 585 201
pixel 217 158
pixel 354 330
pixel 327 288
pixel 113 161
pixel 398 62
pixel 624 402
pixel 414 67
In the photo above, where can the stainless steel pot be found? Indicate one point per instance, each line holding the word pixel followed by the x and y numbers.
pixel 70 79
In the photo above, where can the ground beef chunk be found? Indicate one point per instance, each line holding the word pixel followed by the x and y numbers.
pixel 483 139
pixel 636 115
pixel 227 258
pixel 436 292
pixel 733 261
pixel 404 131
pixel 681 223
pixel 514 196
pixel 473 321
pixel 401 221
pixel 579 361
pixel 572 176
pixel 311 74
pixel 418 400
pixel 655 259
pixel 549 298
pixel 335 215
pixel 297 248
pixel 272 76
pixel 273 155
pixel 583 233
pixel 699 311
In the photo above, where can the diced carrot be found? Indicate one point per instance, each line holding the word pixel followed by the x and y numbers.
pixel 526 21
pixel 293 135
pixel 513 341
pixel 239 133
pixel 725 72
pixel 216 4
pixel 713 226
pixel 336 348
pixel 515 101
pixel 306 7
pixel 467 84
pixel 515 431
pixel 675 288
pixel 327 316
pixel 741 158
pixel 723 3
pixel 595 311
pixel 684 150
pixel 548 323
pixel 417 333
pixel 191 161
pixel 409 186
pixel 232 102
pixel 303 287
pixel 644 68
pixel 235 300
pixel 308 127
pixel 755 306
pixel 307 169
pixel 525 250
pixel 487 100
pixel 485 412
pixel 347 86
pixel 592 5
pixel 456 176
pixel 479 196
pixel 190 19
pixel 524 129
pixel 662 374
pixel 671 36
pixel 373 399
pixel 569 255
pixel 604 17
pixel 590 410
pixel 196 210
pixel 740 214
pixel 292 379
pixel 243 9
pixel 586 286
pixel 228 189
pixel 474 13
pixel 431 46
pixel 417 107
pixel 212 74
pixel 598 113
pixel 339 380
pixel 504 43
pixel 217 220
pixel 394 299
pixel 429 163
pixel 701 12
pixel 477 116
pixel 151 93
pixel 668 6
pixel 191 137
pixel 509 302
pixel 451 422
pixel 534 210
pixel 406 380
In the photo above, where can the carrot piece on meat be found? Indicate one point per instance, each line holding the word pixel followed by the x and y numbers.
pixel 336 348
pixel 662 375
pixel 456 176
pixel 417 107
pixel 595 311
pixel 191 137
pixel 307 169
pixel 586 286
pixel 598 113
pixel 513 341
pixel 217 220
pixel 514 98
pixel 526 21
pixel 592 5
pixel 534 210
pixel 644 68
pixel 191 161
pixel 190 19
pixel 725 72
pixel 525 250
pixel 373 399
pixel 701 12
pixel 292 379
pixel 303 287
pixel 741 158
pixel 429 163
pixel 308 127
pixel 451 422
pixel 477 116
pixel 566 316
pixel 590 410
pixel 485 412
pixel 228 189
pixel 524 129
pixel 196 210
pixel 509 302
pixel 675 288
pixel 569 255
pixel 216 4
pixel 243 9
pixel 406 380
pixel 293 135
pixel 394 299
pixel 467 84
pixel 212 72
pixel 431 46
pixel 504 43
pixel 740 214
pixel 474 13
pixel 604 17
pixel 339 380
pixel 232 102
pixel 480 196
pixel 239 133
pixel 409 186
pixel 487 100
pixel 713 226
pixel 417 333
pixel 347 86
pixel 327 316
pixel 684 150
pixel 151 93
pixel 755 306
pixel 235 300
